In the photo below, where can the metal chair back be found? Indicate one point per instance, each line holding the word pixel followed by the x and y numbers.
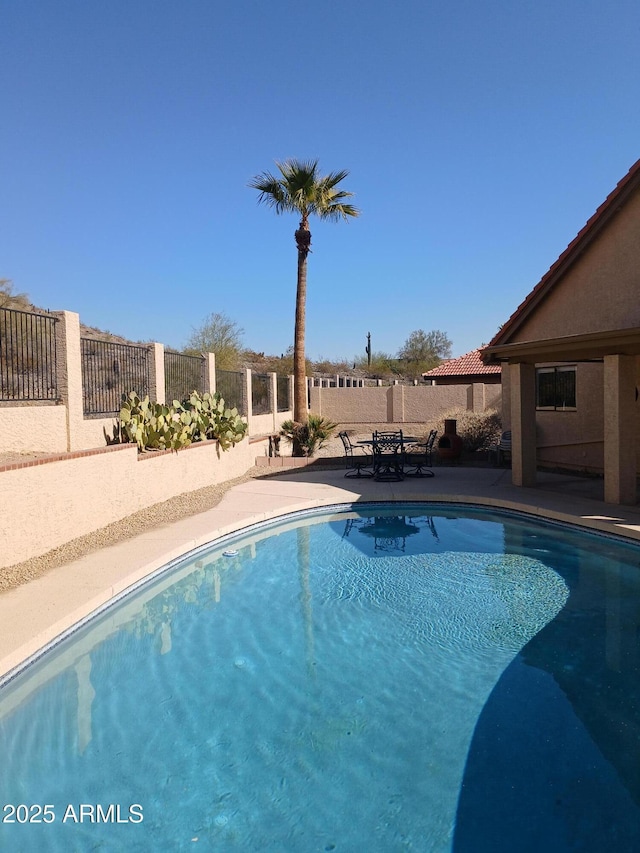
pixel 429 445
pixel 388 455
pixel 357 459
pixel 418 460
pixel 346 441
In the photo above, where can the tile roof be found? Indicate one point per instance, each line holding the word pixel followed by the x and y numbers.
pixel 465 365
pixel 614 201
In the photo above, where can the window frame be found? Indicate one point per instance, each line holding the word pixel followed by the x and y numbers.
pixel 556 405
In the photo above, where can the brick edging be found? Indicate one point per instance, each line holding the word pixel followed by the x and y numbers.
pixel 61 457
pixel 95 451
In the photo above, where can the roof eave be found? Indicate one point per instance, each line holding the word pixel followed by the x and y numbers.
pixel 593 346
pixel 600 219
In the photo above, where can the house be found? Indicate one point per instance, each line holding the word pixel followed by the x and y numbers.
pixel 570 354
pixel 463 370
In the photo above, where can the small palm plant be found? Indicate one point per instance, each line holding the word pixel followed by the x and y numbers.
pixel 308 437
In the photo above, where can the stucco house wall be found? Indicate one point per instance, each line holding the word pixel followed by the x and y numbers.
pixel 570 439
pixel 573 439
pixel 605 277
pixel 600 290
pixel 584 312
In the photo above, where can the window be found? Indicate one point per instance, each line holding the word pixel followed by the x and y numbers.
pixel 556 388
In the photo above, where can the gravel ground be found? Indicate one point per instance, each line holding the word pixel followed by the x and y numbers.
pixel 160 514
pixel 175 509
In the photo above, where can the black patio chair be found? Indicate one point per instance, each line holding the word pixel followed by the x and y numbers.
pixel 358 459
pixel 418 457
pixel 388 455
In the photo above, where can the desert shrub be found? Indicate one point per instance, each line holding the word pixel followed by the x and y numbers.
pixel 478 430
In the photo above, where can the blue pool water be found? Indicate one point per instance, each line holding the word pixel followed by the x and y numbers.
pixel 400 677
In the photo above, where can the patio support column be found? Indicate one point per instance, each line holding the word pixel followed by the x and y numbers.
pixel 619 429
pixel 523 424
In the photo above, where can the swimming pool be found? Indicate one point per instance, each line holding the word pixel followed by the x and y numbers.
pixel 391 677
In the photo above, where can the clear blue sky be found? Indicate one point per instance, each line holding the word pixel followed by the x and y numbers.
pixel 479 137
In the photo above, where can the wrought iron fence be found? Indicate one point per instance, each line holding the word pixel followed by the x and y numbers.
pixel 260 394
pixel 282 392
pixel 230 385
pixel 182 375
pixel 27 356
pixel 110 370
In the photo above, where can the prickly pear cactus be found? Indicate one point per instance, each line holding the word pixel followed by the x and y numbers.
pixel 215 421
pixel 156 426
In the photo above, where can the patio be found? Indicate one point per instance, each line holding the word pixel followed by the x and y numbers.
pixel 35 613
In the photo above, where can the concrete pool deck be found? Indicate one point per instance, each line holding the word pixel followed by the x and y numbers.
pixel 34 614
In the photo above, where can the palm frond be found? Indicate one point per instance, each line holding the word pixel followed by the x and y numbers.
pixel 339 211
pixel 272 192
pixel 300 189
pixel 299 173
pixel 334 178
pixel 329 203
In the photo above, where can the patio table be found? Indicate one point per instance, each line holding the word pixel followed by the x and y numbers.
pixel 406 439
pixel 390 464
pixel 383 472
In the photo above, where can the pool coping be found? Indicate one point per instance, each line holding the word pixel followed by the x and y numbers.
pixel 35 615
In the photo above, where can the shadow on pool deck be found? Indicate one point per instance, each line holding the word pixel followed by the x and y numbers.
pixel 468 480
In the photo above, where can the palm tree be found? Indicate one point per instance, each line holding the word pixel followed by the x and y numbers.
pixel 300 189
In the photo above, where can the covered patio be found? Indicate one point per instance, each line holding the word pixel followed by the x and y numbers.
pixel 582 319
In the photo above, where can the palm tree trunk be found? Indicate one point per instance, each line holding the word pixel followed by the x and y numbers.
pixel 300 409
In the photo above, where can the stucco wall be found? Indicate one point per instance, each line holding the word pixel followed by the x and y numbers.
pixel 425 403
pixel 401 403
pixel 33 429
pixel 493 398
pixel 354 404
pixel 45 505
pixel 600 291
pixel 90 432
pixel 267 424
